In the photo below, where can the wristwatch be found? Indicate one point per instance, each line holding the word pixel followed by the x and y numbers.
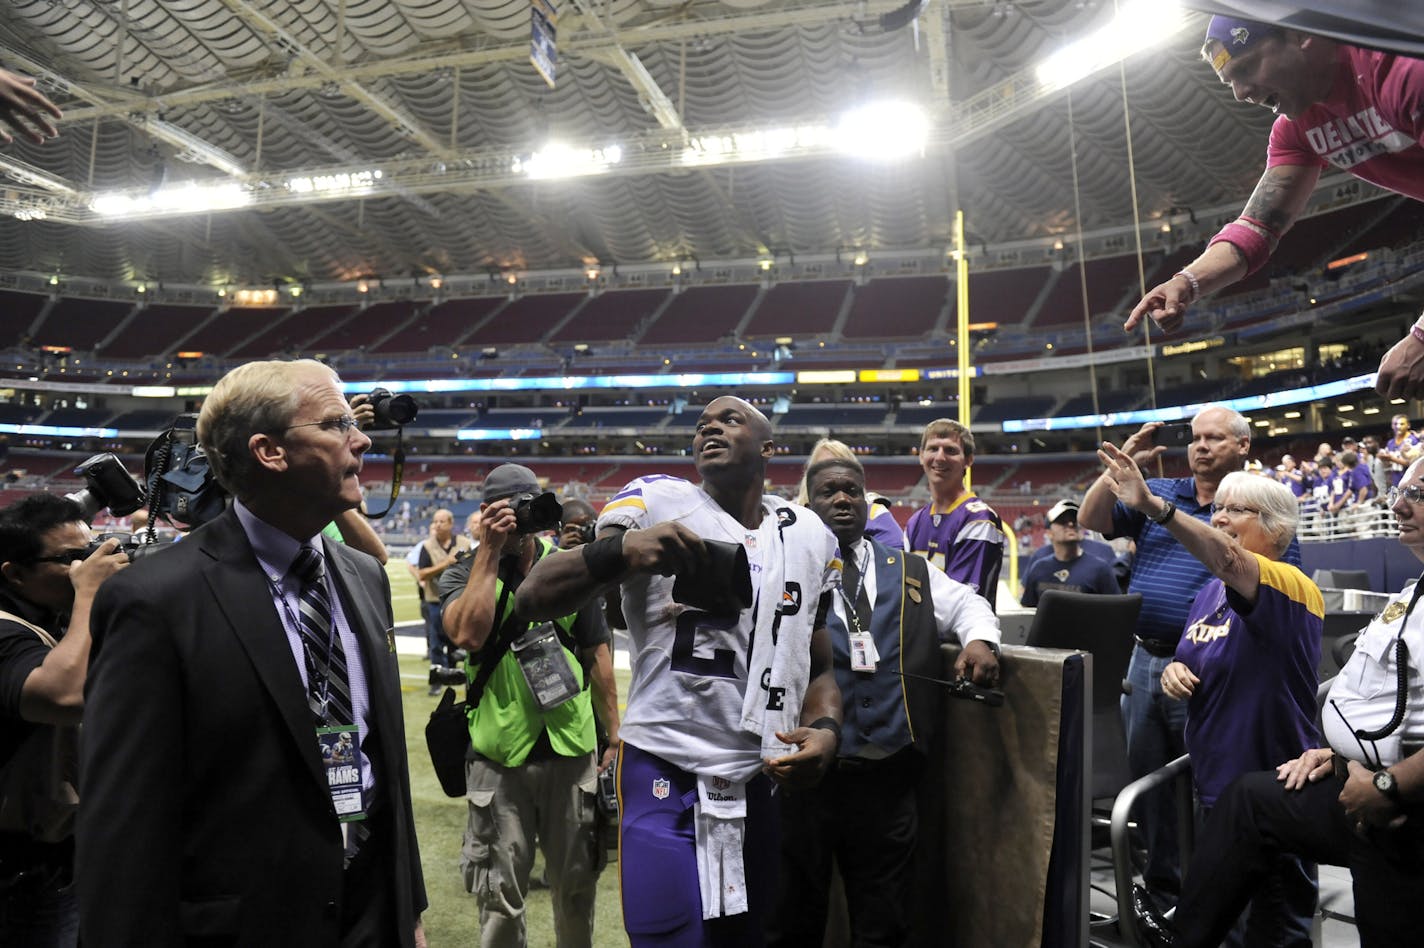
pixel 1168 510
pixel 1386 784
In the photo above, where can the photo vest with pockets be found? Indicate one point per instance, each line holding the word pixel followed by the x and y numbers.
pixel 459 544
pixel 505 719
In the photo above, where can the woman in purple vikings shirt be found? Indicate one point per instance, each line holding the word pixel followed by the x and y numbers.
pixel 1246 662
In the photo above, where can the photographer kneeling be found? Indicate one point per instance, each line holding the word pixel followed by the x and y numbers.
pixel 48 578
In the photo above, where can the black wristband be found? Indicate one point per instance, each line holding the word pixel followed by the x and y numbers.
pixel 1168 512
pixel 828 724
pixel 604 557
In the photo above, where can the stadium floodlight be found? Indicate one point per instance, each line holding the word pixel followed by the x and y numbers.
pixel 188 198
pixel 883 131
pixel 557 160
pixel 1137 25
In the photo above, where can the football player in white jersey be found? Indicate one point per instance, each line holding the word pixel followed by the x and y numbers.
pixel 721 706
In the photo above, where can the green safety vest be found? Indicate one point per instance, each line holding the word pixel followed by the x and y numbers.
pixel 506 723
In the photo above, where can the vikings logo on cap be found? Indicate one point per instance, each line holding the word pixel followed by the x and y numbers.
pixel 1228 37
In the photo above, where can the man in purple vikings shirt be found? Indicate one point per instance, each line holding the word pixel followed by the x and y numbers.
pixel 1245 663
pixel 957 532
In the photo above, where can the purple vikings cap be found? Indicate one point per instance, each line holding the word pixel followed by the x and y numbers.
pixel 1235 36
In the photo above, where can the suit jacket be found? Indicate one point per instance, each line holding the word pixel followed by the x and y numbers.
pixel 205 815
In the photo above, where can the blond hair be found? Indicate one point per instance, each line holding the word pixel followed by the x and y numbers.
pixel 829 448
pixel 948 428
pixel 253 398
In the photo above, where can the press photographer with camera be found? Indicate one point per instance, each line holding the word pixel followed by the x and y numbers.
pixel 49 573
pixel 534 688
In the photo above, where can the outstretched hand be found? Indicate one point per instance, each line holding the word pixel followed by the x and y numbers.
pixel 1124 476
pixel 26 109
pixel 1401 371
pixel 1166 304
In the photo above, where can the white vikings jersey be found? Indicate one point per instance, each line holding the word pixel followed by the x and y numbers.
pixel 685 702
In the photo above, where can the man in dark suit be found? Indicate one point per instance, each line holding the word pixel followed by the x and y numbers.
pixel 224 667
pixel 890 614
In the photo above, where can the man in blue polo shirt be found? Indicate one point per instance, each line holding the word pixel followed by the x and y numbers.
pixel 1168 578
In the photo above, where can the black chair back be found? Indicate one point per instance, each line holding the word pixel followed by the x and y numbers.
pixel 1103 627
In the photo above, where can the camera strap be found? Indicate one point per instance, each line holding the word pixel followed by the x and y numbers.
pixel 397 472
pixel 508 629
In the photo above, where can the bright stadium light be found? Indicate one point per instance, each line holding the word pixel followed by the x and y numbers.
pixel 188 198
pixel 883 131
pixel 1138 25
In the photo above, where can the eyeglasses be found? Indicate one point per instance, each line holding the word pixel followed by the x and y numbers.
pixel 344 424
pixel 1413 493
pixel 1234 510
pixel 63 557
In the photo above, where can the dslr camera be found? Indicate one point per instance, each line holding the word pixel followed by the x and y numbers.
pixel 128 543
pixel 107 483
pixel 392 411
pixel 535 513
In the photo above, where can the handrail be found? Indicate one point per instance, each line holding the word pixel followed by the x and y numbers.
pixel 1179 770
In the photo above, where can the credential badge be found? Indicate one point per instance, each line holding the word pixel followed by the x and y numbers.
pixel 1393 611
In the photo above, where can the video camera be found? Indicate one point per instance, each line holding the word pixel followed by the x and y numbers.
pixel 181 485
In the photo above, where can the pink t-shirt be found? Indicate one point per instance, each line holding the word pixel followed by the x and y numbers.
pixel 1371 125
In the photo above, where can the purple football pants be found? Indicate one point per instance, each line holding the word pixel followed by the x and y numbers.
pixel 657 858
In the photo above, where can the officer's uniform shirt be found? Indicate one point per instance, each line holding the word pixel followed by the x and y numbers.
pixel 1364 694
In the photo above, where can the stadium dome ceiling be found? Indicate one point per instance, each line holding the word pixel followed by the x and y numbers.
pixel 439 98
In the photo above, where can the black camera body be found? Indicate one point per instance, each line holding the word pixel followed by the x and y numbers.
pixel 535 513
pixel 587 532
pixel 107 484
pixel 128 543
pixel 392 411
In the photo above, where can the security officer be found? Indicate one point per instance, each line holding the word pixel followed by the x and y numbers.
pixel 534 691
pixel 891 612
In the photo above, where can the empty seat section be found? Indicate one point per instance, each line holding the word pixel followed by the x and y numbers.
pixel 364 328
pixel 1108 400
pixel 289 336
pixel 1063 477
pixel 898 308
pixel 17 311
pixel 11 414
pixel 893 479
pixel 1108 282
pixel 78 418
pixel 618 417
pixel 790 309
pixel 700 314
pixel 613 316
pixel 143 419
pixel 222 334
pixel 921 415
pixel 1004 296
pixel 672 466
pixel 526 320
pixel 447 418
pixel 1403 224
pixel 833 416
pixel 443 325
pixel 156 330
pixel 546 417
pixel 1005 409
pixel 79 323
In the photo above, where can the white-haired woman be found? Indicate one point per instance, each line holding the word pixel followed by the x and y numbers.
pixel 1246 662
pixel 880 523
